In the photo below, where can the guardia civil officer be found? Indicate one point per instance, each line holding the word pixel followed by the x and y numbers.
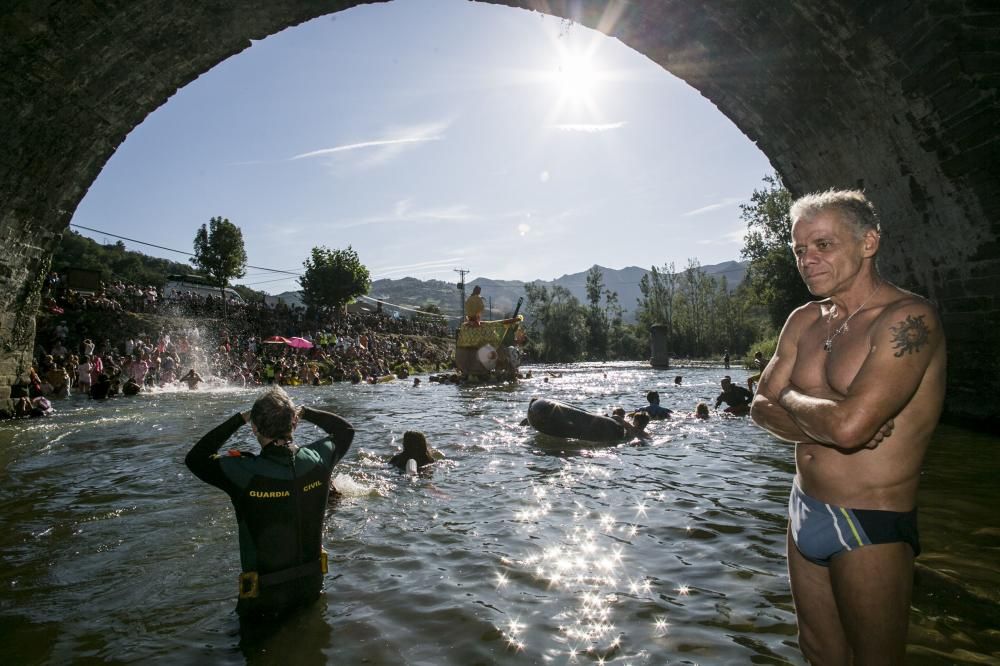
pixel 280 497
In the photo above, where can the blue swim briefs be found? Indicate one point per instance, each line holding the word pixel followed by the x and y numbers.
pixel 822 531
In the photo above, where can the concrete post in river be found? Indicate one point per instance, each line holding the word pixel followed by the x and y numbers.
pixel 659 337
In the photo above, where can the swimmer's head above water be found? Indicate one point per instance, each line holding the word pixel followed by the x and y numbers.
pixel 415 448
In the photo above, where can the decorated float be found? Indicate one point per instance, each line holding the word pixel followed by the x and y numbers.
pixel 489 351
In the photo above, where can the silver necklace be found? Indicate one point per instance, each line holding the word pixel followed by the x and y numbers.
pixel 828 343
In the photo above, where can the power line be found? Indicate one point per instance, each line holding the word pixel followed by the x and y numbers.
pixel 281 279
pixel 259 268
pixel 170 249
pixel 404 307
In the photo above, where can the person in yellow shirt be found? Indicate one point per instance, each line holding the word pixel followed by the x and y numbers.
pixel 474 306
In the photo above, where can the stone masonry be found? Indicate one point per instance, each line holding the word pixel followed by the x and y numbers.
pixel 897 96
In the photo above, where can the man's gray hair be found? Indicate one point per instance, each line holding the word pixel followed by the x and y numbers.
pixel 852 206
pixel 274 414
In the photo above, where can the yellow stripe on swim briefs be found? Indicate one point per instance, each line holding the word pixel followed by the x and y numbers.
pixel 850 524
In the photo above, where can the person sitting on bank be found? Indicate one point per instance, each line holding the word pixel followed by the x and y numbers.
pixel 653 409
pixel 32 407
pixel 280 497
pixel 737 397
pixel 474 306
pixel 415 448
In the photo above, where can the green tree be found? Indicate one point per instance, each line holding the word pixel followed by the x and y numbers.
pixel 597 319
pixel 113 261
pixel 558 331
pixel 431 308
pixel 702 316
pixel 333 278
pixel 772 277
pixel 219 253
pixel 656 306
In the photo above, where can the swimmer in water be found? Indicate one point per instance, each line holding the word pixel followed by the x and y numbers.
pixel 637 427
pixel 654 409
pixel 131 387
pixel 192 379
pixel 415 448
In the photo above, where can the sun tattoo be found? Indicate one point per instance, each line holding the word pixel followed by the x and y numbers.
pixel 909 335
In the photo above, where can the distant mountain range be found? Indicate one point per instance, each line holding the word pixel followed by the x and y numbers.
pixel 502 295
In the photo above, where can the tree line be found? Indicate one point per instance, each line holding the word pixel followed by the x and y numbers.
pixel 701 314
pixel 330 279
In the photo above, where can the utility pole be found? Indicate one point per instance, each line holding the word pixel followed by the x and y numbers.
pixel 461 287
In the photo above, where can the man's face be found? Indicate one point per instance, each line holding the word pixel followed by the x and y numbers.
pixel 827 253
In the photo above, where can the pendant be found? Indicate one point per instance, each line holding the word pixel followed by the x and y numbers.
pixel 828 345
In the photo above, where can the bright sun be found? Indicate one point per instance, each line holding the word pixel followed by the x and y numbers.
pixel 576 77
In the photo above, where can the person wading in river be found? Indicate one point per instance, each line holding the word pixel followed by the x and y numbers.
pixel 280 498
pixel 857 382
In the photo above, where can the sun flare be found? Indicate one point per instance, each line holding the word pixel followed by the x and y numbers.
pixel 576 76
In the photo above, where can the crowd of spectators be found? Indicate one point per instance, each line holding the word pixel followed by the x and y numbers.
pixel 199 347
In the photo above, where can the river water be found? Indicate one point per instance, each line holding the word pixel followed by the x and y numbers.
pixel 518 549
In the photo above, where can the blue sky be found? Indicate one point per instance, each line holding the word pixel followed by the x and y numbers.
pixel 432 135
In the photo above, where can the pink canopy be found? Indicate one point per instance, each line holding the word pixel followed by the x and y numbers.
pixel 299 343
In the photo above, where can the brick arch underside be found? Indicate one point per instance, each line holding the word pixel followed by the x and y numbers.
pixel 897 97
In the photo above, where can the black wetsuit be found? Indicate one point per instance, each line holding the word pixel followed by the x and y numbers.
pixel 280 498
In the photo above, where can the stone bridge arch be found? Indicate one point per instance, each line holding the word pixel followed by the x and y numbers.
pixel 899 97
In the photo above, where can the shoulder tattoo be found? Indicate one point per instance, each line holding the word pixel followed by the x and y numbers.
pixel 909 335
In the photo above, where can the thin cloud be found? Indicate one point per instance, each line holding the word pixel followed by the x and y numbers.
pixel 391 144
pixel 404 212
pixel 422 267
pixel 725 203
pixel 590 127
pixel 365 144
pixel 737 236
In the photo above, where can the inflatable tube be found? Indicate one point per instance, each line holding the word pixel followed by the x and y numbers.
pixel 561 419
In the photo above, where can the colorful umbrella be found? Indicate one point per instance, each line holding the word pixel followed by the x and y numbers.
pixel 276 340
pixel 299 343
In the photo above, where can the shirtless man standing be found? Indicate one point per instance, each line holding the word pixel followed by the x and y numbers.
pixel 857 382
